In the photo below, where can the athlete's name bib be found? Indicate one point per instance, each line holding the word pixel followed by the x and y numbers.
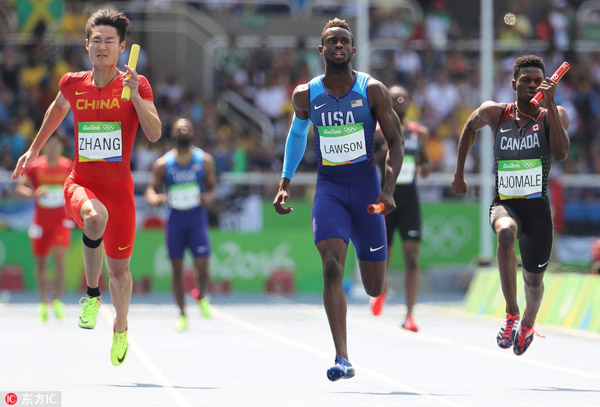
pixel 342 145
pixel 184 196
pixel 520 179
pixel 53 198
pixel 407 172
pixel 99 141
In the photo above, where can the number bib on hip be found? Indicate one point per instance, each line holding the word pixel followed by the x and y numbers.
pixel 407 172
pixel 342 145
pixel 520 179
pixel 184 196
pixel 53 198
pixel 99 141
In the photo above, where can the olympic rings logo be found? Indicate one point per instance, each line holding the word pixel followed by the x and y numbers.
pixel 444 236
pixel 528 164
pixel 350 129
pixel 109 127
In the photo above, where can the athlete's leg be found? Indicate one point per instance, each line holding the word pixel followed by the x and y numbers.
pixel 506 231
pixel 95 216
pixel 177 285
pixel 199 245
pixel 120 289
pixel 59 253
pixel 177 236
pixel 411 281
pixel 201 264
pixel 41 263
pixel 373 276
pixel 333 255
pixel 534 291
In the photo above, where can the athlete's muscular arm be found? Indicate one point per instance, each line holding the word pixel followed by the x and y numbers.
pixel 210 181
pixel 486 114
pixel 157 183
pixel 301 110
pixel 424 166
pixel 55 114
pixel 391 128
pixel 558 122
pixel 146 111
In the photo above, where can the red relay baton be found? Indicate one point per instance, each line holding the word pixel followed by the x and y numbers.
pixel 559 73
pixel 376 208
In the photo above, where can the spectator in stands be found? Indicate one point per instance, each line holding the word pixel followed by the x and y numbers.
pixel 10 70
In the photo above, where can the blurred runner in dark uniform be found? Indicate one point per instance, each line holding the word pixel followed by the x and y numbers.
pixel 406 218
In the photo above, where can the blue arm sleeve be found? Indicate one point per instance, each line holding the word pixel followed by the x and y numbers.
pixel 295 146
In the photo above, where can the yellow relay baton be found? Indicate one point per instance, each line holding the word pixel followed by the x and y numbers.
pixel 133 58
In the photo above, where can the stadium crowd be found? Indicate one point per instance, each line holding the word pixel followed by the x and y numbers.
pixel 442 77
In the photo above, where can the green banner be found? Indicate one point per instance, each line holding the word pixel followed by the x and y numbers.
pixel 450 232
pixel 248 260
pixel 450 235
pixel 15 250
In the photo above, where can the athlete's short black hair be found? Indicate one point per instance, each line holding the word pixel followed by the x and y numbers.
pixel 336 22
pixel 525 61
pixel 112 18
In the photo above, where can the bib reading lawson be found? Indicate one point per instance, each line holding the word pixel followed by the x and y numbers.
pixel 520 179
pixel 184 196
pixel 99 141
pixel 342 145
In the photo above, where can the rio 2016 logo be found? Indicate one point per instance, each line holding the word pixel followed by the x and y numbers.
pixel 11 399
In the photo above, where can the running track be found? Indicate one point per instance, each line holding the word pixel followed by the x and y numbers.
pixel 274 351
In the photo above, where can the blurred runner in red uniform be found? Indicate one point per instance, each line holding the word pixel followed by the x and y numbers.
pixel 50 230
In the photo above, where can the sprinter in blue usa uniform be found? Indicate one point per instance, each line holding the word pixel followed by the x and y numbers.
pixel 526 139
pixel 189 175
pixel 344 107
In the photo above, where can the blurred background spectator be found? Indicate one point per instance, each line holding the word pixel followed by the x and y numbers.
pixel 428 46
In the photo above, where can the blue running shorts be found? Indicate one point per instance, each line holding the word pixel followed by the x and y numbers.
pixel 340 211
pixel 188 229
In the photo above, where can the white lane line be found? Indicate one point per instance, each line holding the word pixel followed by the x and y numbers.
pixel 252 327
pixel 384 327
pixel 154 370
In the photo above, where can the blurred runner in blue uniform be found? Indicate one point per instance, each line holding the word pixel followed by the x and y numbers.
pixel 189 175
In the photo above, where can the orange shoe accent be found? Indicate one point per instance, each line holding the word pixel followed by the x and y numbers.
pixel 376 303
pixel 410 325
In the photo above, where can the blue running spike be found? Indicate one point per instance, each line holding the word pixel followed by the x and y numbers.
pixel 341 370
